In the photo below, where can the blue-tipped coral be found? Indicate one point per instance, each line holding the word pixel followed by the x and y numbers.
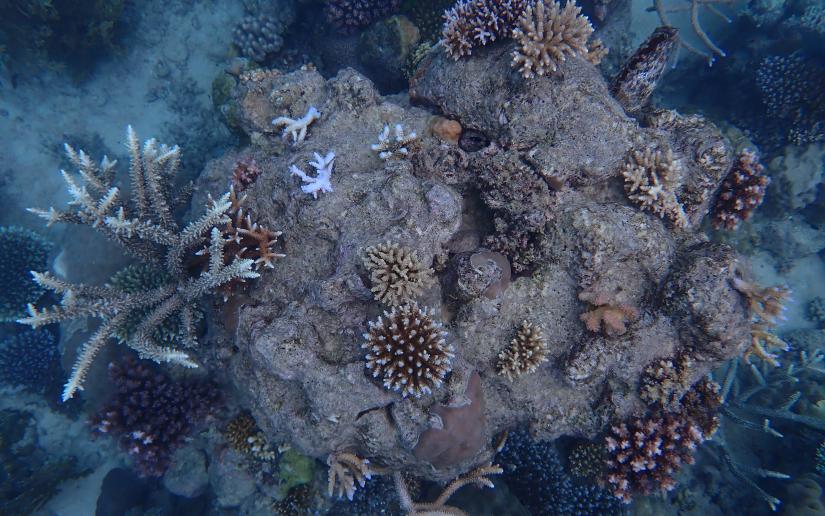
pixel 21 251
pixel 30 359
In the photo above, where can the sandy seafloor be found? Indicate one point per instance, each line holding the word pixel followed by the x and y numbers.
pixel 160 84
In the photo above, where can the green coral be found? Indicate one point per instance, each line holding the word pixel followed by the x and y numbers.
pixel 21 251
pixel 294 470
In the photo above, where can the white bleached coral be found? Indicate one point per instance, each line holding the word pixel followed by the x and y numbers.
pixel 323 174
pixel 388 148
pixel 297 128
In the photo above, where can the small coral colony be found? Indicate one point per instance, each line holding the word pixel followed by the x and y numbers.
pixel 676 173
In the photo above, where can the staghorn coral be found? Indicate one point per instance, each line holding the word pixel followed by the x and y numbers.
pixel 408 350
pixel 666 380
pixel 244 435
pixel 396 273
pixel 150 414
pixel 30 359
pixel 525 353
pixel 323 174
pixel 350 15
pixel 345 471
pixel 153 236
pixel 397 148
pixel 548 34
pixel 476 477
pixel 767 307
pixel 643 454
pixel 741 192
pixel 651 179
pixel 643 71
pixel 662 11
pixel 21 251
pixel 475 23
pixel 297 127
pixel 609 315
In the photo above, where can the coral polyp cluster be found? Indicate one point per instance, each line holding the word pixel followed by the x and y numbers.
pixel 396 272
pixel 525 353
pixel 651 179
pixel 741 192
pixel 407 350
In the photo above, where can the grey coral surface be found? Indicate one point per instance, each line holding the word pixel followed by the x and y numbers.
pixel 297 355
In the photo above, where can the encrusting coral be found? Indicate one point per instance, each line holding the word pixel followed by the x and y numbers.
pixel 153 236
pixel 407 350
pixel 396 273
pixel 21 251
pixel 741 192
pixel 548 34
pixel 399 147
pixel 525 353
pixel 651 179
pixel 475 23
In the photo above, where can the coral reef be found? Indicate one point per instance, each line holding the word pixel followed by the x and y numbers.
pixel 427 15
pixel 586 460
pixel 408 351
pixel 346 472
pixel 150 414
pixel 297 127
pixel 548 34
pixel 153 236
pixel 534 473
pixel 645 453
pixel 767 307
pixel 396 273
pixel 350 15
pixel 323 174
pixel 244 435
pixel 397 148
pixel 261 31
pixel 643 71
pixel 525 353
pixel 651 179
pixel 244 173
pixel 475 23
pixel 712 50
pixel 30 359
pixel 665 381
pixel 741 192
pixel 21 252
pixel 609 315
pixel 476 477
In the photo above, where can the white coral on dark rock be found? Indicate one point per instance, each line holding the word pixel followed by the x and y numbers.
pixel 323 174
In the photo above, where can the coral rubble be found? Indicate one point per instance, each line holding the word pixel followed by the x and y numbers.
pixel 21 251
pixel 153 236
pixel 524 354
pixel 150 414
pixel 408 350
pixel 396 273
pixel 741 192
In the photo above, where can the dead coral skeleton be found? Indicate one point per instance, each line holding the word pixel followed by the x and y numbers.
pixel 548 34
pixel 322 182
pixel 153 236
pixel 439 507
pixel 693 8
pixel 396 272
pixel 297 127
pixel 388 148
pixel 651 179
pixel 767 308
pixel 525 353
pixel 609 315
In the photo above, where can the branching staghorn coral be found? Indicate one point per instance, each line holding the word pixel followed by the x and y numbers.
pixel 345 471
pixel 651 179
pixel 477 477
pixel 548 34
pixel 693 7
pixel 152 235
pixel 396 272
pixel 474 23
pixel 399 147
pixel 525 353
pixel 767 307
pixel 322 182
pixel 297 127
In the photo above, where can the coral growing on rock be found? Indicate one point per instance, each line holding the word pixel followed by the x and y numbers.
pixel 322 182
pixel 407 350
pixel 474 23
pixel 245 172
pixel 260 32
pixel 525 353
pixel 346 472
pixel 396 273
pixel 30 358
pixel 651 179
pixel 548 34
pixel 643 454
pixel 642 71
pixel 21 251
pixel 150 414
pixel 609 314
pixel 297 127
pixel 476 477
pixel 398 148
pixel 741 192
pixel 665 381
pixel 351 15
pixel 767 307
pixel 153 236
pixel 244 435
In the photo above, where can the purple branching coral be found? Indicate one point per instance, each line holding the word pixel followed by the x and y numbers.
pixel 644 454
pixel 350 15
pixel 741 192
pixel 475 23
pixel 151 414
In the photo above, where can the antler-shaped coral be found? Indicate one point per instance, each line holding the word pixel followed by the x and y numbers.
pixel 438 507
pixel 767 307
pixel 345 471
pixel 693 7
pixel 153 236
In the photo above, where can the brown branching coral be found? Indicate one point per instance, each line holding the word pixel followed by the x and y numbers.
pixel 651 179
pixel 475 23
pixel 346 473
pixel 609 315
pixel 408 351
pixel 767 307
pixel 548 34
pixel 664 381
pixel 741 192
pixel 154 236
pixel 524 354
pixel 244 435
pixel 643 454
pixel 396 272
pixel 438 507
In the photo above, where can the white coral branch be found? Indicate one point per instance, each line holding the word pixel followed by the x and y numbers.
pixel 323 174
pixel 297 127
